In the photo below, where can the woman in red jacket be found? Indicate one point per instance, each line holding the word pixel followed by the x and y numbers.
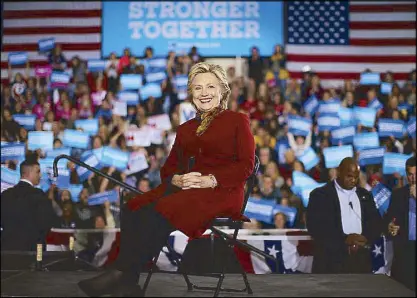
pixel 190 196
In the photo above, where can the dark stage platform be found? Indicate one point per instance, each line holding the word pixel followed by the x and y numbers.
pixel 63 284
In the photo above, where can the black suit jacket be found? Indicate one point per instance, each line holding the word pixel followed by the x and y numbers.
pixel 324 224
pixel 26 216
pixel 398 208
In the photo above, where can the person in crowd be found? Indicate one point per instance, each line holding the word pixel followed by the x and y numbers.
pixel 222 164
pixel 299 143
pixel 57 59
pixel 280 220
pixel 400 221
pixel 343 221
pixel 27 213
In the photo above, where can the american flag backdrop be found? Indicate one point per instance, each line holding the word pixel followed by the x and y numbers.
pixel 74 25
pixel 340 39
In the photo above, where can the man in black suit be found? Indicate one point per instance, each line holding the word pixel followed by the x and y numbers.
pixel 343 221
pixel 401 222
pixel 26 212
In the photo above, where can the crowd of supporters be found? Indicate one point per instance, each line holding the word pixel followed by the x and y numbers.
pixel 267 94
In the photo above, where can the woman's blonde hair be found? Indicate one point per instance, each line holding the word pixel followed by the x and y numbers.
pixel 220 73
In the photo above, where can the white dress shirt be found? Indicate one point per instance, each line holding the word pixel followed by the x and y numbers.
pixel 350 208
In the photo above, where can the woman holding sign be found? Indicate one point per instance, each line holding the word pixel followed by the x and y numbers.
pixel 202 178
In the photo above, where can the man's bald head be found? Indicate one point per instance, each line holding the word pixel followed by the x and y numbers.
pixel 348 173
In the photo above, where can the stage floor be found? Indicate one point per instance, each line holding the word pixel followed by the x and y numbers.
pixel 64 284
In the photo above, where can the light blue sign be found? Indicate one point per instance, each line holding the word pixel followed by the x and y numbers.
pixel 366 140
pixel 59 151
pixel 18 58
pixel 9 176
pixel 59 80
pixel 309 159
pixel 281 147
pixel 382 198
pixel 156 64
pixel 328 121
pixel 90 159
pixel 375 104
pixel 63 179
pixel 260 209
pixel 180 82
pixel 389 127
pixel 115 158
pixel 386 88
pixel 46 44
pixel 156 77
pixel 370 78
pixel 149 90
pixel 343 134
pixel 364 116
pixel 311 105
pixel 89 126
pixel 329 107
pixel 27 121
pixel 290 213
pixel 131 81
pixel 75 190
pixel 40 140
pixel 46 164
pixel 76 139
pixel 411 127
pixel 216 28
pixel 371 156
pixel 334 155
pixel 12 151
pixel 98 199
pixel 130 98
pixel 299 126
pixel 394 163
pixel 96 65
pixel 346 116
pixel 300 178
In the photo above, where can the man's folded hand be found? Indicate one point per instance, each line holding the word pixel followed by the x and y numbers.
pixel 356 239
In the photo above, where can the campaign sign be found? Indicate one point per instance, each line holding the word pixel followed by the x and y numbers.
pixel 260 209
pixel 137 163
pixel 366 140
pixel 346 116
pixel 300 178
pixel 138 137
pixel 12 151
pixel 215 28
pixel 9 176
pixel 130 98
pixel 394 163
pixel 59 151
pixel 155 77
pixel 59 79
pixel 305 191
pixel 76 139
pixel 281 147
pixel 299 126
pixel 311 105
pixel 96 65
pixel 386 88
pixel 343 134
pixel 389 127
pixel 328 121
pixel 371 156
pixel 18 58
pixel 375 104
pixel 150 90
pixel 411 127
pixel 99 198
pixel 114 158
pixel 156 64
pixel 43 71
pixel 370 78
pixel 364 116
pixel 90 159
pixel 180 82
pixel 46 44
pixel 290 213
pixel 309 159
pixel 40 140
pixel 160 121
pixel 27 121
pixel 187 112
pixel 329 107
pixel 75 190
pixel 89 126
pixel 334 155
pixel 382 197
pixel 119 108
pixel 131 81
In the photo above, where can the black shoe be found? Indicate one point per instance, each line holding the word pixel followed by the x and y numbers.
pixel 102 284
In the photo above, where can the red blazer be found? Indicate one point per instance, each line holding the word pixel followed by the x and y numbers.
pixel 226 150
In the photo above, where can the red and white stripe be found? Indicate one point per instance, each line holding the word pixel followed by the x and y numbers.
pixel 382 38
pixel 76 26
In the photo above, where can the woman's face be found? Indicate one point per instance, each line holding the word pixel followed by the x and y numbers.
pixel 97 143
pixel 270 169
pixel 206 91
pixel 279 221
pixel 65 196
